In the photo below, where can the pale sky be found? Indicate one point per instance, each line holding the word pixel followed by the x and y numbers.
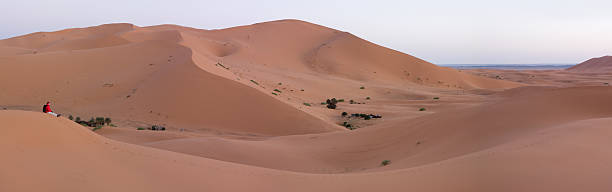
pixel 439 31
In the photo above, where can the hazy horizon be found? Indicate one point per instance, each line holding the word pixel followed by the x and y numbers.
pixel 441 32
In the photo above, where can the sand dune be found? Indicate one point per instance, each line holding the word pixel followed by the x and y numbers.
pixel 594 65
pixel 561 158
pixel 243 110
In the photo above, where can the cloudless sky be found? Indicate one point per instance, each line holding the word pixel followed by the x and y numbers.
pixel 439 31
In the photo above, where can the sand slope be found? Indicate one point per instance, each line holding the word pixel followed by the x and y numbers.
pixel 409 142
pixel 594 65
pixel 39 147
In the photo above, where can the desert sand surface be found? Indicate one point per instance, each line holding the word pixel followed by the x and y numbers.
pixel 243 110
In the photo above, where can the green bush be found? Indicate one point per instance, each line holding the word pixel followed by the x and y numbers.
pixel 255 82
pixel 422 109
pixel 307 104
pixel 340 100
pixel 70 117
pixel 140 128
pixel 108 120
pixel 77 119
pixel 436 98
pixel 100 120
pixel 97 127
pixel 323 103
pixel 385 162
pixel 277 90
pixel 344 114
pixel 274 94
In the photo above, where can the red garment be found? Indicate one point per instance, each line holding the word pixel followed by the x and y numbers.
pixel 47 108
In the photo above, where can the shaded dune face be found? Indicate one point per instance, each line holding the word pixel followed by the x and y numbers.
pixel 594 65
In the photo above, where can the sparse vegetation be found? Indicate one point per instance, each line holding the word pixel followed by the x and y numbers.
pixel 108 120
pixel 77 119
pixel 422 109
pixel 140 128
pixel 340 100
pixel 254 82
pixel 436 98
pixel 158 128
pixel 99 121
pixel 70 117
pixel 307 104
pixel 280 83
pixel 344 114
pixel 348 125
pixel 385 162
pixel 219 64
pixel 97 127
pixel 367 98
pixel 365 116
pixel 331 103
pixel 323 103
pixel 274 94
pixel 277 90
pixel 362 87
pixel 113 125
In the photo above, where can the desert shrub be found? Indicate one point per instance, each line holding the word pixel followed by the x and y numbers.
pixel 140 128
pixel 158 128
pixel 385 162
pixel 108 120
pixel 97 127
pixel 277 90
pixel 255 82
pixel 219 64
pixel 436 98
pixel 77 119
pixel 99 120
pixel 348 125
pixel 344 114
pixel 331 103
pixel 70 117
pixel 280 83
pixel 367 98
pixel 352 102
pixel 362 87
pixel 422 109
pixel 274 94
pixel 92 121
pixel 323 103
pixel 307 104
pixel 113 125
pixel 367 117
pixel 340 100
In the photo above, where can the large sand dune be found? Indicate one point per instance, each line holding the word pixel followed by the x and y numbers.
pixel 242 108
pixel 594 65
